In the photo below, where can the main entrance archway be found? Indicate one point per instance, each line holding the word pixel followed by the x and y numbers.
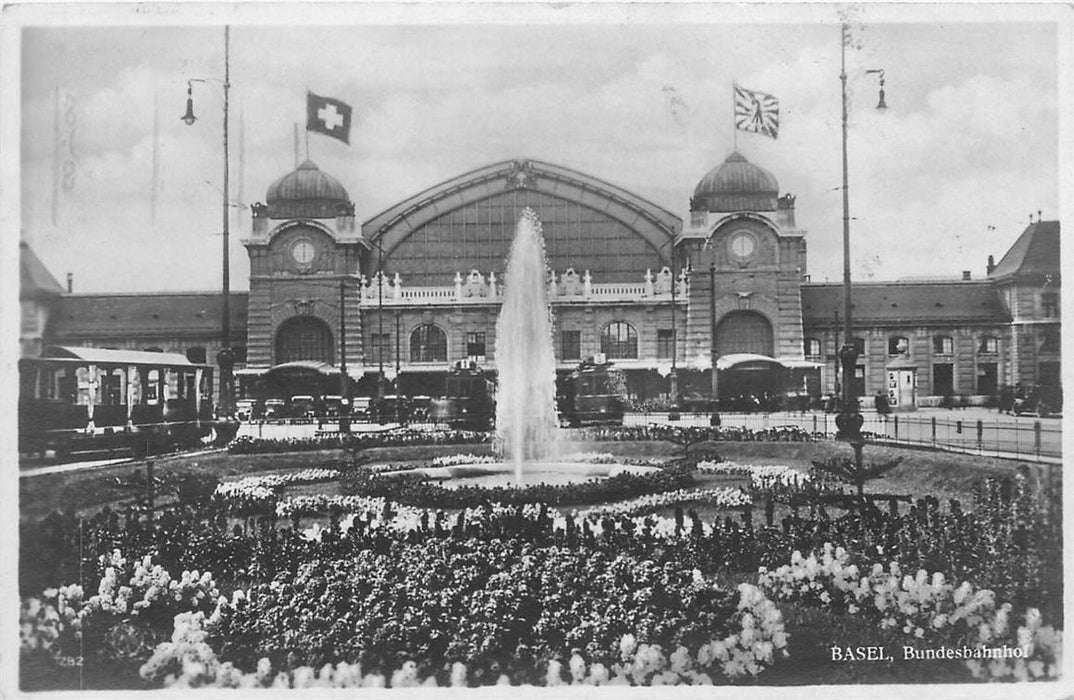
pixel 304 338
pixel 744 332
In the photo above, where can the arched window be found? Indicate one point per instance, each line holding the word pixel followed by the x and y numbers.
pixel 428 344
pixel 619 340
pixel 304 338
pixel 744 331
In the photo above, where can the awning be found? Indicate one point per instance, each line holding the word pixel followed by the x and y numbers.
pixel 745 361
pixel 100 356
pixel 801 364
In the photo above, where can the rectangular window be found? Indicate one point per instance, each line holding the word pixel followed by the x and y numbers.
pixel 380 347
pixel 943 345
pixel 1049 304
pixel 812 347
pixel 570 345
pixel 859 346
pixel 665 343
pixel 989 344
pixel 1049 339
pixel 475 344
pixel 898 345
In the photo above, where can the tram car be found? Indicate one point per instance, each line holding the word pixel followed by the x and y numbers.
pixel 78 400
pixel 592 394
pixel 468 402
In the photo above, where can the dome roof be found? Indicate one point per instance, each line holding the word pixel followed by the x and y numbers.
pixel 306 182
pixel 736 185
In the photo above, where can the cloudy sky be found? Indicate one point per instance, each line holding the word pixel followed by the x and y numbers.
pixel 638 95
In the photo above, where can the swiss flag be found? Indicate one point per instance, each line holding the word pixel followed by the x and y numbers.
pixel 329 116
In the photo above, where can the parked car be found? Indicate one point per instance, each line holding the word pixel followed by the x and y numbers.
pixel 392 408
pixel 244 409
pixel 360 406
pixel 695 402
pixel 303 406
pixel 333 405
pixel 275 409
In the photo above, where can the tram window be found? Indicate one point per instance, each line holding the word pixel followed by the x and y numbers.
pixel 151 383
pixel 113 388
pixel 172 384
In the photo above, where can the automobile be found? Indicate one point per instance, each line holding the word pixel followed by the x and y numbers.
pixel 244 409
pixel 275 408
pixel 333 405
pixel 360 406
pixel 392 408
pixel 303 406
pixel 419 407
pixel 695 402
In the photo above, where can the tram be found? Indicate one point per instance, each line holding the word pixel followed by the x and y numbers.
pixel 78 399
pixel 468 401
pixel 592 394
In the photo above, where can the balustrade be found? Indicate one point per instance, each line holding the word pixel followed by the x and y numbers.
pixel 475 288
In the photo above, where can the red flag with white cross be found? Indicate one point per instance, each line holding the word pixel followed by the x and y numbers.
pixel 328 116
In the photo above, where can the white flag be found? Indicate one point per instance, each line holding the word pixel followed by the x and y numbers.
pixel 756 111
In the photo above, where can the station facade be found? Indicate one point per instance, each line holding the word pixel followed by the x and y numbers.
pixel 399 298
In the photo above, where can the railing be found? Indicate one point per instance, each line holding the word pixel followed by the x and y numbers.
pixel 998 435
pixel 1029 438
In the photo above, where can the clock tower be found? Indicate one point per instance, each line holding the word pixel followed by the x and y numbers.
pixel 748 261
pixel 304 253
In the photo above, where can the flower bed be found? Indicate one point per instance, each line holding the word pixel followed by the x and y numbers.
pixel 926 608
pixel 416 491
pixel 500 608
pixel 762 476
pixel 356 442
pixel 260 493
pixel 720 497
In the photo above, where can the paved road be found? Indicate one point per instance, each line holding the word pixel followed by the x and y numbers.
pixel 1026 437
pixel 1000 435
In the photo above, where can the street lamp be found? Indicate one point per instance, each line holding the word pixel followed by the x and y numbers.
pixel 225 358
pixel 849 420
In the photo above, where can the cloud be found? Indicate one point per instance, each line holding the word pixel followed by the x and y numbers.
pixel 968 142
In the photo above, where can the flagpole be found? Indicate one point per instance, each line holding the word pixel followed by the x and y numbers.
pixel 55 152
pixel 734 124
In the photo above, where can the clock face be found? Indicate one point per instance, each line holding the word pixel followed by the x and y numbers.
pixel 742 245
pixel 303 251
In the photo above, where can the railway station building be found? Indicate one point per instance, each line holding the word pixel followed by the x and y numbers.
pixel 401 296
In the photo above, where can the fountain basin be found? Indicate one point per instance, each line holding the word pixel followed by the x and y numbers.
pixel 502 474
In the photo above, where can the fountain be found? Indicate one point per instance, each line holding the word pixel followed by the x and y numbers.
pixel 527 428
pixel 528 436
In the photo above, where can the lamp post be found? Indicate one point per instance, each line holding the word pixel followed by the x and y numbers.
pixel 344 380
pixel 225 358
pixel 849 420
